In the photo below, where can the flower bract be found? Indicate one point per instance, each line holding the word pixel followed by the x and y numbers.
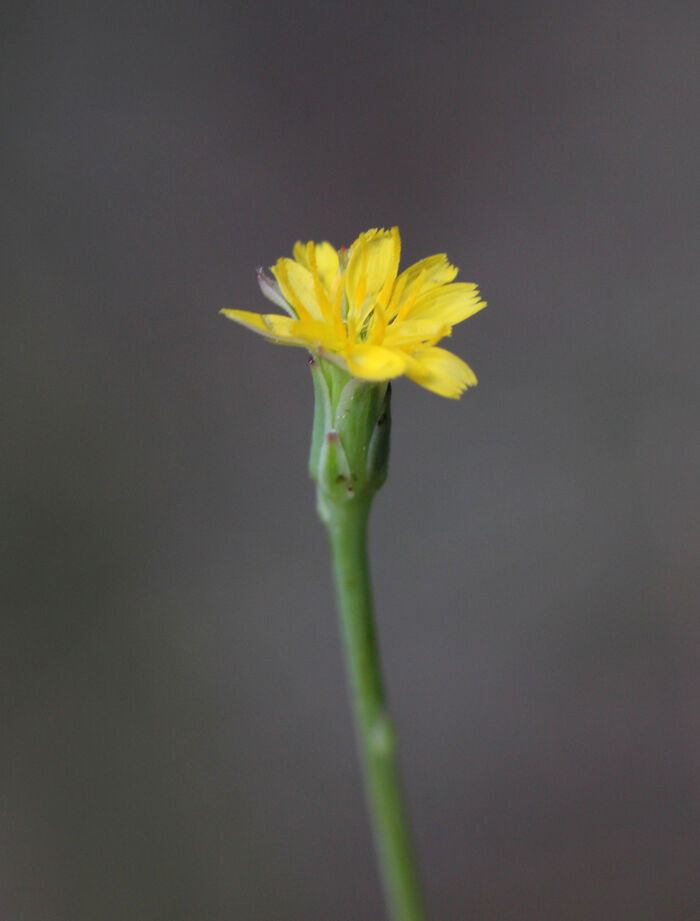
pixel 352 307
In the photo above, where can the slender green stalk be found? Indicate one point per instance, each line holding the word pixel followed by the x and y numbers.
pixel 347 530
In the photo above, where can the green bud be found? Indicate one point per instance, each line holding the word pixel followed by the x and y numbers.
pixel 350 441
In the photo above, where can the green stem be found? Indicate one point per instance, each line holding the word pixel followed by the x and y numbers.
pixel 347 530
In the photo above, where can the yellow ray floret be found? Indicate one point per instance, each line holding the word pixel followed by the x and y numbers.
pixel 352 307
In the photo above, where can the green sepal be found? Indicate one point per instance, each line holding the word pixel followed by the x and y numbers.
pixel 350 440
pixel 322 415
pixel 378 450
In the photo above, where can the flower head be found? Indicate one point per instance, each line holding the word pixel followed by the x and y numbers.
pixel 352 307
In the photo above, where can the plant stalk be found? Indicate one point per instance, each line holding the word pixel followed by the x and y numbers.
pixel 347 530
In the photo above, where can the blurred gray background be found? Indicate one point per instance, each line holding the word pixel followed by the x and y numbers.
pixel 176 739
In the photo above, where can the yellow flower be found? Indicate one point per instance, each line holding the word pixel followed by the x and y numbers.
pixel 352 308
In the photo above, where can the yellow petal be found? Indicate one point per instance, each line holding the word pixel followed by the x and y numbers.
pixel 440 371
pixel 448 304
pixel 410 334
pixel 282 330
pixel 419 278
pixel 297 286
pixel 299 253
pixel 372 267
pixel 319 334
pixel 310 334
pixel 375 363
pixel 326 261
pixel 436 270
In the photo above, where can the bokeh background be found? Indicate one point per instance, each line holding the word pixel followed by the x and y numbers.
pixel 175 732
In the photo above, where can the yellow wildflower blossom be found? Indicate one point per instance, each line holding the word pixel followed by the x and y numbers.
pixel 353 308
